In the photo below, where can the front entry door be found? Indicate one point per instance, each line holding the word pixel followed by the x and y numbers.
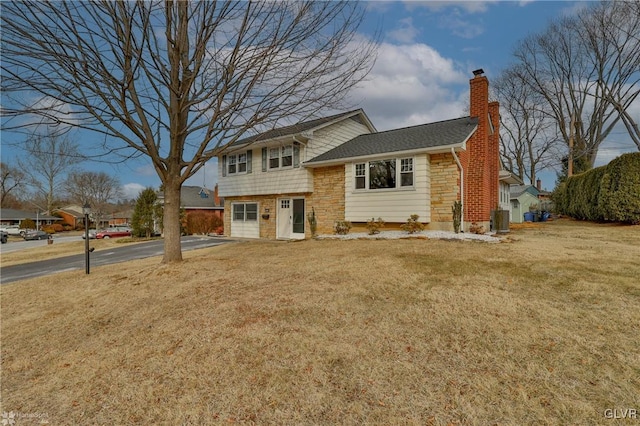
pixel 291 218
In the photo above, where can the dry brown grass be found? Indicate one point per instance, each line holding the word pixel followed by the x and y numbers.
pixel 540 330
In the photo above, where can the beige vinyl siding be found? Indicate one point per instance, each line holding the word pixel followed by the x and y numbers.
pixel 291 180
pixel 392 205
pixel 331 136
pixel 281 181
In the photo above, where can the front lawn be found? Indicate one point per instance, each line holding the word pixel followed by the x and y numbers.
pixel 539 330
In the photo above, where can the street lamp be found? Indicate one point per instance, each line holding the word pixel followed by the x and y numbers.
pixel 86 209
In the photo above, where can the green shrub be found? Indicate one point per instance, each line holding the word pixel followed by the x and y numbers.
pixel 412 225
pixel 619 196
pixel 374 225
pixel 610 192
pixel 342 227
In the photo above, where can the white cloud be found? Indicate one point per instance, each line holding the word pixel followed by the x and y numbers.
pixel 461 27
pixel 465 6
pixel 406 33
pixel 130 191
pixel 412 84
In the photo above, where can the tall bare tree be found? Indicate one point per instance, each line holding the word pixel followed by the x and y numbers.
pixel 587 70
pixel 96 188
pixel 50 156
pixel 177 81
pixel 528 136
pixel 11 180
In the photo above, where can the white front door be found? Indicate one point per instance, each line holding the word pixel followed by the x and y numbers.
pixel 290 222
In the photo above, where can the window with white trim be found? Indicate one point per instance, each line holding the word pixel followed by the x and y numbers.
pixel 236 163
pixel 232 168
pixel 274 158
pixel 361 176
pixel 245 212
pixel 242 163
pixel 406 172
pixel 281 157
pixel 287 156
pixel 384 174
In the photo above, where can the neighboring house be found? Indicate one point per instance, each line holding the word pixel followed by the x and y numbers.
pixel 198 198
pixel 341 168
pixel 72 215
pixel 522 198
pixel 506 180
pixel 122 218
pixel 15 217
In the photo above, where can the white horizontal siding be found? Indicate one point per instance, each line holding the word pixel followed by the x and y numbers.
pixel 391 205
pixel 330 137
pixel 280 181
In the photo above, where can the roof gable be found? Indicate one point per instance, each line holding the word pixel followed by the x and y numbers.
pixel 422 137
pixel 306 126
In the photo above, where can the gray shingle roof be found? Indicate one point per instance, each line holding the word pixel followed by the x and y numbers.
pixel 424 136
pixel 517 190
pixel 197 197
pixel 293 129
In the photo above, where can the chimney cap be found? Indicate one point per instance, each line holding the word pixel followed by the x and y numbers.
pixel 478 72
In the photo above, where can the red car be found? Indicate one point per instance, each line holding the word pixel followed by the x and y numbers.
pixel 113 233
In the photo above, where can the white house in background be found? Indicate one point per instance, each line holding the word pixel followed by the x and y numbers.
pixel 506 180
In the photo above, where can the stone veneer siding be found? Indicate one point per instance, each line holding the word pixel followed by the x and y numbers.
pixel 265 202
pixel 445 182
pixel 328 197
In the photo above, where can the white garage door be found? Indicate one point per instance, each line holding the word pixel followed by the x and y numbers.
pixel 244 220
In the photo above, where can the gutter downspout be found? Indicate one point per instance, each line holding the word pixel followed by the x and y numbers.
pixel 453 152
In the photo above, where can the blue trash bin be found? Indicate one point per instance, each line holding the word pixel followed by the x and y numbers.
pixel 529 216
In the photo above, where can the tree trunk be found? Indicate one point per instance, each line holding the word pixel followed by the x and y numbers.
pixel 171 221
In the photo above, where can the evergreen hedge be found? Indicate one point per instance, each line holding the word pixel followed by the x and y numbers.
pixel 607 193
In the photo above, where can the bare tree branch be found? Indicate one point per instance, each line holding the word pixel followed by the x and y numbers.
pixel 177 81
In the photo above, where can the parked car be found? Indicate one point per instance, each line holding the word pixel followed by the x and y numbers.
pixel 35 235
pixel 113 233
pixel 92 235
pixel 3 237
pixel 13 230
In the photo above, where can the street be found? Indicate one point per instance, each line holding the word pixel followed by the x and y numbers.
pixel 98 258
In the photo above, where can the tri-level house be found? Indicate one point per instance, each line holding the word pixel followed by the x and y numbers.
pixel 341 168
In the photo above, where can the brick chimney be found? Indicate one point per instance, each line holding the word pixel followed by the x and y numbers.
pixel 216 197
pixel 539 185
pixel 482 157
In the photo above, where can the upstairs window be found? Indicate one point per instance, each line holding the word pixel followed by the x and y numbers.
pixel 236 163
pixel 281 157
pixel 232 164
pixel 242 163
pixel 274 158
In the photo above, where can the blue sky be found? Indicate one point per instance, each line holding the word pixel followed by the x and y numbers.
pixel 424 63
